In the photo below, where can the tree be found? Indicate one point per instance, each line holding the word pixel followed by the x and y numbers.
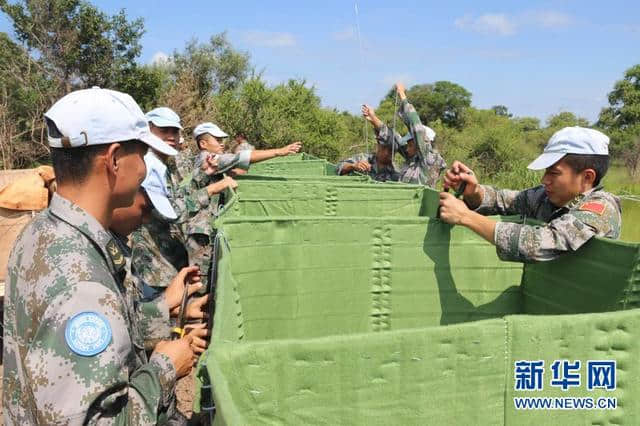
pixel 216 66
pixel 621 119
pixel 566 119
pixel 79 45
pixel 501 110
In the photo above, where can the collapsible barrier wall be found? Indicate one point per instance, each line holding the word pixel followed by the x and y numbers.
pixel 358 320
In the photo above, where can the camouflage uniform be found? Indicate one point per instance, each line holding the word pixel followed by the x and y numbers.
pixel 198 225
pixel 152 313
pixel 425 167
pixel 387 172
pixel 594 213
pixel 159 247
pixel 64 264
pixel 224 163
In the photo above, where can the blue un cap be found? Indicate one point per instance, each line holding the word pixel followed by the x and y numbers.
pixel 155 185
pixel 164 117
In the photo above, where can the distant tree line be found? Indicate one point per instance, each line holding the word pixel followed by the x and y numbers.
pixel 62 45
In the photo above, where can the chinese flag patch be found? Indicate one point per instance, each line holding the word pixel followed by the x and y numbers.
pixel 593 207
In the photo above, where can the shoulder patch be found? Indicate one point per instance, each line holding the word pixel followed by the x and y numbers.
pixel 88 333
pixel 116 254
pixel 593 207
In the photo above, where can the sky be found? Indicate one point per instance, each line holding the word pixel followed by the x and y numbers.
pixel 537 57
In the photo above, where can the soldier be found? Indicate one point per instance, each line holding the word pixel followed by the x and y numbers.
pixel 159 247
pixel 154 310
pixel 210 140
pixel 72 350
pixel 570 200
pixel 240 143
pixel 377 165
pixel 211 165
pixel 423 163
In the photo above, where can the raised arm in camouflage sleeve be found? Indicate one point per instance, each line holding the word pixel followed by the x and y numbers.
pixel 411 119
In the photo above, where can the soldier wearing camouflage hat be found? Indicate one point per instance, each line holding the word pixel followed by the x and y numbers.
pixel 72 352
pixel 570 200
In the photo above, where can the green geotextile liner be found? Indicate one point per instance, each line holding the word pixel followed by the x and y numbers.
pixel 303 277
pixel 459 374
pixel 358 320
pixel 295 167
pixel 336 178
pixel 330 198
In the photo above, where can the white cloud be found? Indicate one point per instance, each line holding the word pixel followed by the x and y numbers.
pixel 550 19
pixel 346 34
pixel 269 39
pixel 506 25
pixel 489 23
pixel 159 58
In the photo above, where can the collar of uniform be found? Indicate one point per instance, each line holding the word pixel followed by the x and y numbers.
pixel 580 197
pixel 78 218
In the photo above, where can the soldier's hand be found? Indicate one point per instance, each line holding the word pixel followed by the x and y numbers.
pixel 186 277
pixel 229 182
pixel 368 113
pixel 179 352
pixel 452 210
pixel 200 335
pixel 362 166
pixel 195 309
pixel 401 90
pixel 457 174
pixel 293 148
pixel 210 165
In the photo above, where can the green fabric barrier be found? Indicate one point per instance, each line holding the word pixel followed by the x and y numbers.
pixel 362 320
pixel 459 374
pixel 335 198
pixel 295 167
pixel 296 268
pixel 353 179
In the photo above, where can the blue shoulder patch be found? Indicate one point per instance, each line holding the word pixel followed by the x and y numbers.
pixel 88 333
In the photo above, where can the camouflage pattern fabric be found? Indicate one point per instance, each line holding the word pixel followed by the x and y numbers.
pixel 382 174
pixel 152 313
pixel 426 166
pixel 64 266
pixel 223 162
pixel 157 252
pixel 594 213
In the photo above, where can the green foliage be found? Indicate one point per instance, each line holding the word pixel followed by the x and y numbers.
pixel 442 100
pixel 79 45
pixel 216 65
pixel 291 111
pixel 501 110
pixel 621 119
pixel 566 119
pixel 493 145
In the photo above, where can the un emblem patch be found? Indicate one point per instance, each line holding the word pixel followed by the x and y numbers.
pixel 88 333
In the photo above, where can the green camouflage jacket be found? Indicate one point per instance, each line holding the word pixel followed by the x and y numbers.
pixel 152 313
pixel 72 351
pixel 383 174
pixel 426 166
pixel 594 213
